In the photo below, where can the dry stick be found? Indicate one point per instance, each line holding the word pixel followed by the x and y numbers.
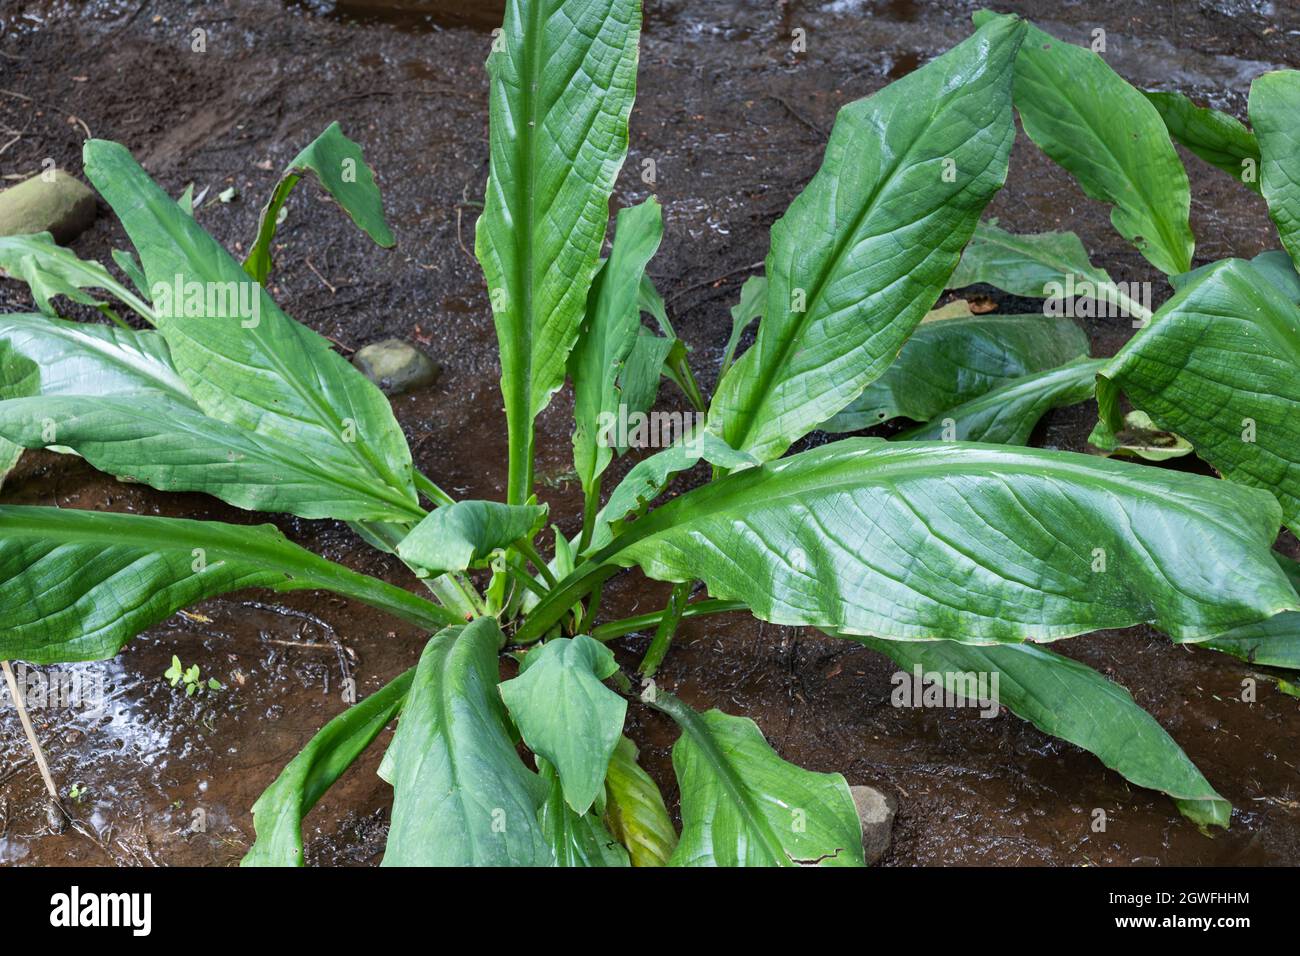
pixel 31 737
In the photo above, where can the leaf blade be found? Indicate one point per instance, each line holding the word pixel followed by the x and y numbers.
pixel 863 252
pixel 742 805
pixel 948 362
pixel 566 714
pixel 977 543
pixel 555 151
pixel 244 361
pixel 1274 109
pixel 1066 699
pixel 453 765
pixel 341 169
pixel 1220 365
pixel 464 534
pixel 77 585
pixel 1106 134
pixel 610 330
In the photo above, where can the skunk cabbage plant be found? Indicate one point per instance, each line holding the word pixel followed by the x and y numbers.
pixel 951 546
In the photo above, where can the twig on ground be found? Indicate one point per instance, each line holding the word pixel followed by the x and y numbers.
pixel 39 754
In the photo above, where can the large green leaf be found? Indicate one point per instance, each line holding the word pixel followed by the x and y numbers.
pixel 950 361
pixel 51 270
pixel 1087 118
pixel 864 251
pixel 1219 139
pixel 635 811
pixel 1220 365
pixel 341 169
pixel 112 396
pixel 464 534
pixel 1043 265
pixel 279 811
pixel 1272 643
pixel 1007 414
pixel 609 331
pixel 566 714
pixel 742 805
pixel 246 362
pixel 173 447
pixel 578 839
pixel 1275 114
pixel 77 585
pixel 1069 700
pixel 977 543
pixel 461 795
pixel 562 80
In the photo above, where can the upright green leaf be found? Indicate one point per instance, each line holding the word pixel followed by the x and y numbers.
pixel 562 80
pixel 1087 118
pixel 1044 265
pixel 1072 701
pixel 638 380
pixel 51 270
pixel 864 251
pixel 1275 113
pixel 130 266
pixel 1219 139
pixel 246 362
pixel 77 585
pixel 461 795
pixel 341 169
pixel 279 811
pixel 1007 414
pixel 566 714
pixel 635 811
pixel 976 543
pixel 742 805
pixel 1220 365
pixel 609 332
pixel 1271 643
pixel 464 535
pixel 677 366
pixel 753 299
pixel 947 362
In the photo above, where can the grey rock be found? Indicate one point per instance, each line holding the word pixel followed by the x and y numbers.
pixel 63 207
pixel 395 366
pixel 876 810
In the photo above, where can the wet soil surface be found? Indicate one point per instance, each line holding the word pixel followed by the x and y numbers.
pixel 735 122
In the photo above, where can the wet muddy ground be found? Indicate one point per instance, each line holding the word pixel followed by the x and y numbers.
pixel 735 123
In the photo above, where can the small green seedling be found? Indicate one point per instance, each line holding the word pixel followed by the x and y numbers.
pixel 190 677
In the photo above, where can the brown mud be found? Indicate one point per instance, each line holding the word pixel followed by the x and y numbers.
pixel 736 123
